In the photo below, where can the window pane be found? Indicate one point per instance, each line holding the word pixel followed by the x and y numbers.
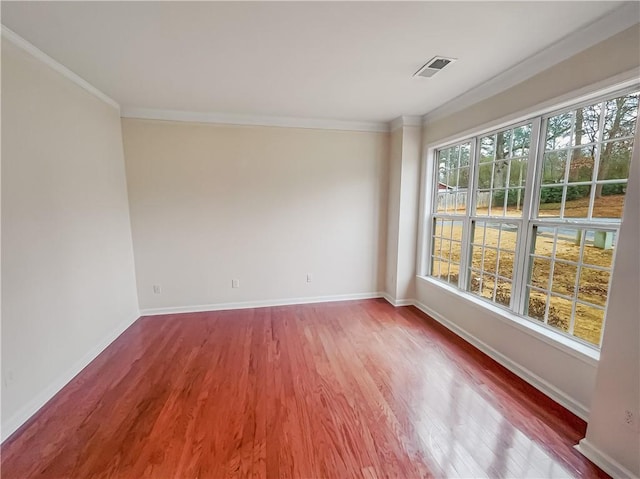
pixel 544 240
pixel 503 292
pixel 483 201
pixel 508 237
pixel 550 201
pixel 453 179
pixel 435 268
pixel 620 116
pixel 446 202
pixel 505 268
pixel 598 248
pixel 594 285
pixel 564 278
pixel 463 177
pixel 498 203
pixel 568 244
pixel 614 160
pixel 445 252
pixel 465 151
pixel 500 171
pixel 553 167
pixel 503 148
pixel 559 315
pixel 536 306
pixel 487 148
pixel 518 173
pixel 609 200
pixel 444 270
pixel 478 232
pixel 579 289
pixel 577 201
pixel 490 264
pixel 540 273
pixel 456 230
pixel 559 131
pixel 491 234
pixel 455 251
pixel 521 140
pixel 474 283
pixel 437 227
pixel 485 170
pixel 588 323
pixel 488 282
pixel 436 246
pixel 453 274
pixel 581 165
pixel 476 258
pixel 492 260
pixel 587 125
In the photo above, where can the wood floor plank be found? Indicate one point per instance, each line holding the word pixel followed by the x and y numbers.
pixel 349 389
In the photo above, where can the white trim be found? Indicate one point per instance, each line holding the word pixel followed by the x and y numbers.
pixel 30 408
pixel 254 120
pixel 604 461
pixel 257 304
pixel 536 381
pixel 630 78
pixel 605 27
pixel 397 302
pixel 23 44
pixel 405 120
pixel 584 353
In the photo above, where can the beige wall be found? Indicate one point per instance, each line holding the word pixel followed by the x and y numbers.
pixel 568 379
pixel 263 205
pixel 68 283
pixel 613 56
pixel 618 381
pixel 393 211
pixel 402 227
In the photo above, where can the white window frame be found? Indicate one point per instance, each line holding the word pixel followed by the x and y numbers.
pixel 529 218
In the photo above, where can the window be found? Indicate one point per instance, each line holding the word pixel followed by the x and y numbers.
pixel 527 217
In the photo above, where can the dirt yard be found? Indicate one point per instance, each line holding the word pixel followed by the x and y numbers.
pixel 593 284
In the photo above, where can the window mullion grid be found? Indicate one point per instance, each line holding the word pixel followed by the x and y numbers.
pixel 576 286
pixel 596 160
pixel 524 244
pixel 465 246
pixel 495 272
pixel 552 267
pixel 433 214
pixel 613 264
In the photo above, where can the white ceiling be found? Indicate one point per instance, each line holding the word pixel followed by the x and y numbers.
pixel 325 60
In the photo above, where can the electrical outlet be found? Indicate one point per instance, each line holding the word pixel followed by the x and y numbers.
pixel 235 283
pixel 157 289
pixel 630 419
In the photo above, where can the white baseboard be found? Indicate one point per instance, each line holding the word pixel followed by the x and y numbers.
pixel 536 381
pixel 258 304
pixel 30 408
pixel 397 302
pixel 604 461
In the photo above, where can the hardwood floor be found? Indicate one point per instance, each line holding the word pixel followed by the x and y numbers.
pixel 337 390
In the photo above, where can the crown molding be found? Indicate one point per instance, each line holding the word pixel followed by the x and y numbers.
pixel 605 27
pixel 253 120
pixel 405 120
pixel 17 40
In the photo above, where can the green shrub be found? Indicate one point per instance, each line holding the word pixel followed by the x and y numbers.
pixel 614 189
pixel 512 198
pixel 554 193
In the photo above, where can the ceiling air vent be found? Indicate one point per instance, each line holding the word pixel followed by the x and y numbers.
pixel 433 66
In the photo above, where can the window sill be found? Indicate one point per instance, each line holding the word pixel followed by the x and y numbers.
pixel 577 350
